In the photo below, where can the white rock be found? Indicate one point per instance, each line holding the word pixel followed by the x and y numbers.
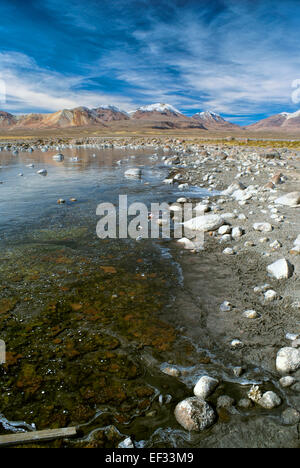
pixel 288 360
pixel 58 157
pixel 229 251
pixel 225 307
pixel 290 199
pixel 235 344
pixel 194 414
pixel 271 295
pixel 270 400
pixel 187 243
pixel 262 227
pixel 42 172
pixel 134 172
pixel 205 223
pixel 171 371
pixel 126 444
pixel 281 269
pixel 205 387
pixel 237 232
pixel 250 314
pixel 287 381
pixel 224 230
pixel 276 245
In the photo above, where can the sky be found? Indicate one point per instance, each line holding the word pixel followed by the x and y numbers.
pixel 239 58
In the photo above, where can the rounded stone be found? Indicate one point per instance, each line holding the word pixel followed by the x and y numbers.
pixel 194 414
pixel 288 360
pixel 205 387
pixel 269 400
pixel 290 417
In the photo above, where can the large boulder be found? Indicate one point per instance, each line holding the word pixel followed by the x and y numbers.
pixel 290 199
pixel 288 360
pixel 195 414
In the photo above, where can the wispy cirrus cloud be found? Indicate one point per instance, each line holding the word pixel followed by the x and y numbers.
pixel 238 58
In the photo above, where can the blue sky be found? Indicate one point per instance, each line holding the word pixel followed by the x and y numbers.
pixel 238 58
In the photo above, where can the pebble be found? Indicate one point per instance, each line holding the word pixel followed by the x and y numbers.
pixel 287 381
pixel 171 371
pixel 271 295
pixel 250 314
pixel 225 307
pixel 228 251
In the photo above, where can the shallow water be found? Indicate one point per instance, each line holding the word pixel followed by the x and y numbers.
pixel 89 323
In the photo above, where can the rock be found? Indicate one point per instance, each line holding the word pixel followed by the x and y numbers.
pixel 271 295
pixel 194 414
pixel 236 344
pixel 245 403
pixel 225 401
pixel 58 157
pixel 287 381
pixel 187 243
pixel 233 188
pixel 205 387
pixel 296 344
pixel 288 360
pixel 134 172
pixel 42 172
pixel 168 181
pixel 229 251
pixel 250 314
pixel 205 223
pixel 171 371
pixel 225 307
pixel 237 232
pixel 276 245
pixel 292 336
pixel 224 230
pixel 238 371
pixel 290 417
pixel 269 400
pixel 282 269
pixel 126 444
pixel 263 227
pixel 225 239
pixel 290 199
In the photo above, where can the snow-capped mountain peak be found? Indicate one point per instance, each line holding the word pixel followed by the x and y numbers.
pixel 292 115
pixel 159 107
pixel 208 115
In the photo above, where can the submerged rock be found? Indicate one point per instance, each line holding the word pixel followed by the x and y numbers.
pixel 195 414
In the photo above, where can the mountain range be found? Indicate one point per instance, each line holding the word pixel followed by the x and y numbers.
pixel 156 116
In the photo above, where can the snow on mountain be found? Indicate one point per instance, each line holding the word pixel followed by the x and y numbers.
pixel 208 115
pixel 162 108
